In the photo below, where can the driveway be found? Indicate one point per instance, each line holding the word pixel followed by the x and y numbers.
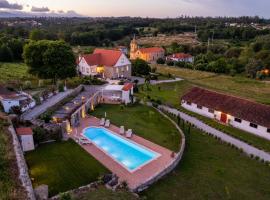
pixel 38 110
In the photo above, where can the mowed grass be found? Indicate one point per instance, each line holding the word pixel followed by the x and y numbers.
pixel 63 166
pixel 103 193
pixel 211 170
pixel 145 122
pixel 171 93
pixel 239 86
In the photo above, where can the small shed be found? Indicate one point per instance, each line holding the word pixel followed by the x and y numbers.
pixel 25 135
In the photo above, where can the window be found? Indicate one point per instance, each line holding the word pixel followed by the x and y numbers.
pixel 188 103
pixel 253 125
pixel 198 106
pixel 238 120
pixel 211 110
pixel 268 130
pixel 127 68
pixel 87 70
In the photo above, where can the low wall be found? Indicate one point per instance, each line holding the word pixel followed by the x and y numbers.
pixel 171 166
pixel 22 167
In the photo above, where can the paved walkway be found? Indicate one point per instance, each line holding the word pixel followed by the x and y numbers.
pixel 38 110
pixel 229 139
pixel 153 82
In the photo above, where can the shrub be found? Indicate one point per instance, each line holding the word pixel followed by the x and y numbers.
pixel 160 61
pixel 170 63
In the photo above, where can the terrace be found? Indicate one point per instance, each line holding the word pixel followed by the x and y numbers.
pixel 139 176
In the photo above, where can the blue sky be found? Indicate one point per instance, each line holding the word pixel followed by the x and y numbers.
pixel 147 8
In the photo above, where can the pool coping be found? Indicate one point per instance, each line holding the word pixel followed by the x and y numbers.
pixel 124 138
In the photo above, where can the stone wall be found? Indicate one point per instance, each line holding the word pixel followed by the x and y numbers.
pixel 171 166
pixel 22 167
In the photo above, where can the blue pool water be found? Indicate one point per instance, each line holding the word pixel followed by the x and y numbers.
pixel 129 154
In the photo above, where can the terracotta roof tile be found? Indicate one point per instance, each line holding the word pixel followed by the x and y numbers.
pixel 237 107
pixel 151 50
pixel 127 86
pixel 24 131
pixel 180 55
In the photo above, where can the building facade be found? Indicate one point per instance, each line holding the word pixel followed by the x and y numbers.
pixel 25 136
pixel 180 57
pixel 240 113
pixel 10 99
pixel 150 55
pixel 109 64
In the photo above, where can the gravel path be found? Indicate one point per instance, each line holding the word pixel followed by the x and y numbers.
pixel 248 149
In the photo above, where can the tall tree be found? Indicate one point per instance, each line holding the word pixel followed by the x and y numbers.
pixel 50 59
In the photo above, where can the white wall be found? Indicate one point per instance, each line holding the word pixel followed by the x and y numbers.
pixel 203 111
pixel 244 125
pixel 27 142
pixel 8 104
pixel 87 70
pixel 122 61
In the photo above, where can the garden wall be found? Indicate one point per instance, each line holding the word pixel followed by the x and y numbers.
pixel 171 166
pixel 22 167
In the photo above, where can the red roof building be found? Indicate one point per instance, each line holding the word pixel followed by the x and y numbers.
pixel 106 63
pixel 241 113
pixel 180 57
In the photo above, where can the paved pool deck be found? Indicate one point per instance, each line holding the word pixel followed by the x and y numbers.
pixel 141 175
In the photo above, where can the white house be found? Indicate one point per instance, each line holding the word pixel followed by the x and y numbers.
pixel 105 63
pixel 119 93
pixel 10 98
pixel 180 57
pixel 25 136
pixel 239 113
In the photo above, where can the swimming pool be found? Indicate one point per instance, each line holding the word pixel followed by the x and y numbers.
pixel 127 153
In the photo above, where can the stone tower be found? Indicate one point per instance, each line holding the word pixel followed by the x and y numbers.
pixel 133 48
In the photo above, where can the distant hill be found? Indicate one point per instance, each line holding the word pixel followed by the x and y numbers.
pixel 21 14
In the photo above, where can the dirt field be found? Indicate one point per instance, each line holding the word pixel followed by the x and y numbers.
pixel 166 40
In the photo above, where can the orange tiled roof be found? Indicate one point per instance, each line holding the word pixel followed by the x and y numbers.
pixel 152 50
pixel 103 57
pixel 24 131
pixel 127 86
pixel 180 55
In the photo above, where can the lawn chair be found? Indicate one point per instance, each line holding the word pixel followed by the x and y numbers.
pixel 129 133
pixel 107 123
pixel 85 142
pixel 122 130
pixel 102 122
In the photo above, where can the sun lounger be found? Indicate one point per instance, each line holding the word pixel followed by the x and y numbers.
pixel 102 122
pixel 107 123
pixel 129 133
pixel 122 130
pixel 85 142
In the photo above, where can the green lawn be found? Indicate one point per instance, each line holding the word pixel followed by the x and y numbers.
pixel 211 170
pixel 105 194
pixel 63 166
pixel 13 71
pixel 170 94
pixel 240 86
pixel 144 121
